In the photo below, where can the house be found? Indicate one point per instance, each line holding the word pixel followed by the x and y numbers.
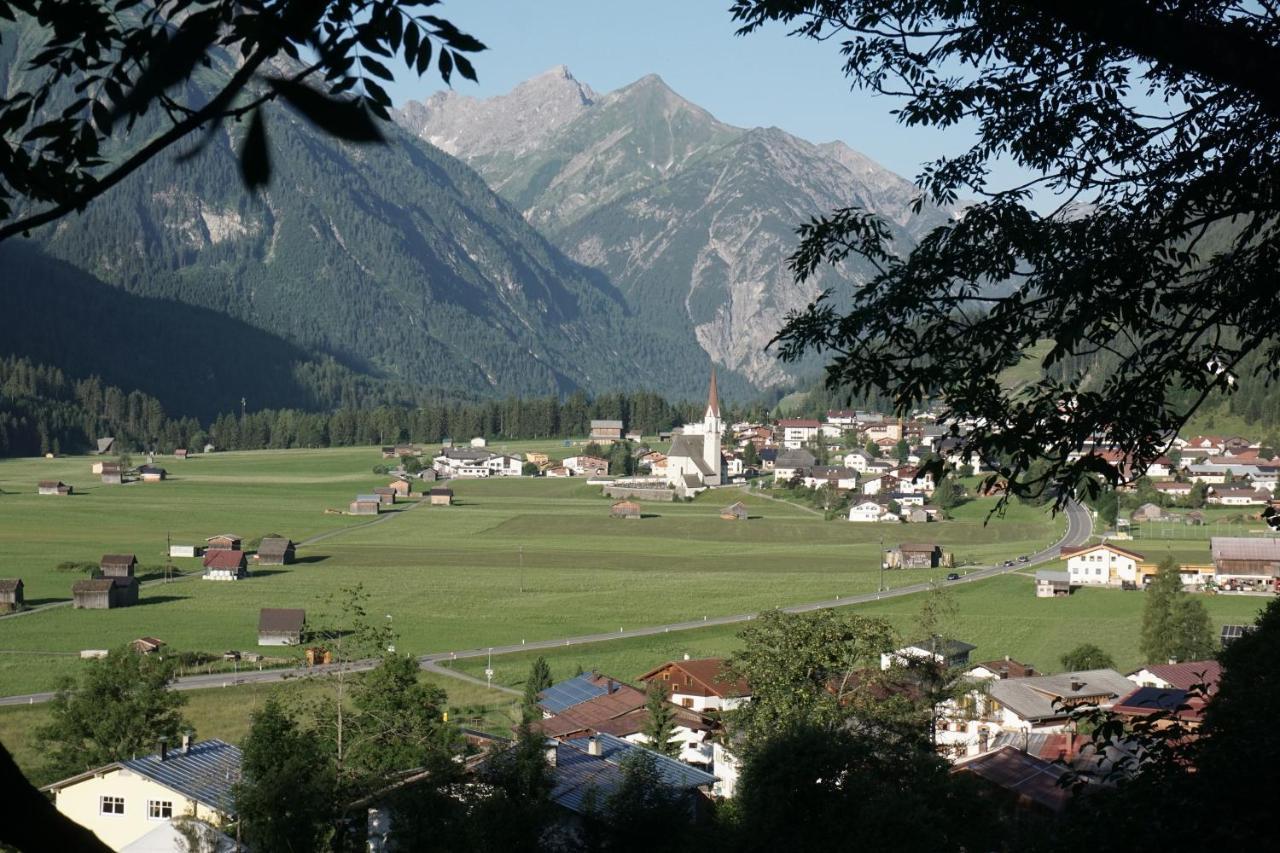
pixel 184 834
pixel 479 441
pixel 1149 512
pixel 537 458
pixel 152 473
pixel 104 593
pixel 125 800
pixel 606 430
pixel 441 496
pixel 106 445
pixel 624 715
pixel 587 466
pixel 281 626
pixel 1245 563
pixel 1174 704
pixel 462 462
pixel 275 551
pixel 401 488
pixel 180 453
pixel 700 684
pixel 1225 496
pixel 1051 584
pixel 385 495
pixel 504 465
pixel 1179 676
pixel 838 477
pixel 557 471
pixel 365 505
pixel 52 487
pixel 883 483
pixel 573 691
pixel 922 514
pixel 948 653
pixel 223 542
pixel 1101 565
pixel 789 463
pixel 1045 702
pixel 735 512
pixel 1173 490
pixel 634 436
pixel 11 595
pixel 147 645
pixel 797 432
pixel 869 510
pixel 625 509
pixel 224 565
pixel 112 474
pixel 1030 782
pixel 919 556
pixel 1007 667
pixel 117 565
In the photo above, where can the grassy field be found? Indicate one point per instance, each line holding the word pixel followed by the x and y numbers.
pixel 1000 616
pixel 226 713
pixel 514 559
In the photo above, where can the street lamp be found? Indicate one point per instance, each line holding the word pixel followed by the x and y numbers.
pixel 488 669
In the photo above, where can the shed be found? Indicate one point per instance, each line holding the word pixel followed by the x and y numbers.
pixel 441 496
pixel 147 645
pixel 1050 583
pixel 152 473
pixel 365 505
pixel 385 494
pixel 106 445
pixel 400 487
pixel 223 542
pixel 112 473
pixel 118 565
pixel 186 550
pixel 281 626
pixel 105 593
pixel 180 453
pixel 275 551
pixel 225 565
pixel 10 594
pixel 53 487
pixel 919 556
pixel 625 509
pixel 735 512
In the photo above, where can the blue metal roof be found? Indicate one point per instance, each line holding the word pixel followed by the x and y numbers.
pixel 675 773
pixel 206 773
pixel 580 782
pixel 566 694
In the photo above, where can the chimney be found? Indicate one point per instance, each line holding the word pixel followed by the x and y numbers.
pixel 164 750
pixel 1076 684
pixel 551 754
pixel 1172 661
pixel 593 745
pixel 686 655
pixel 186 743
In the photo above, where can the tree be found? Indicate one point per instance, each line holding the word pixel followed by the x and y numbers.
pixel 285 798
pixel 1198 495
pixel 644 802
pixel 1106 106
pixel 539 679
pixel 529 469
pixel 1108 508
pixel 60 154
pixel 121 707
pixel 660 727
pixel 398 724
pixel 1086 656
pixel 750 456
pixel 872 449
pixel 1175 626
pixel 902 450
pixel 517 807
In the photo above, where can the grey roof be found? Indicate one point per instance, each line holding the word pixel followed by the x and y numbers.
pixel 286 619
pixel 794 459
pixel 1052 576
pixel 466 454
pixel 206 774
pixel 675 773
pixel 606 424
pixel 1242 548
pixel 837 471
pixel 373 498
pixel 104 444
pixel 1033 698
pixel 580 781
pixel 274 545
pixel 939 646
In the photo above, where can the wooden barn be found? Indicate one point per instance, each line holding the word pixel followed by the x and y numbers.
pixel 386 495
pixel 105 593
pixel 281 626
pixel 223 542
pixel 152 473
pixel 106 445
pixel 112 474
pixel 625 509
pixel 53 487
pixel 118 565
pixel 225 565
pixel 400 487
pixel 10 595
pixel 275 551
pixel 365 505
pixel 735 512
pixel 180 453
pixel 441 496
pixel 147 645
pixel 919 556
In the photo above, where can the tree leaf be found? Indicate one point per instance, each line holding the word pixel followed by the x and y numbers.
pixel 255 159
pixel 339 117
pixel 445 65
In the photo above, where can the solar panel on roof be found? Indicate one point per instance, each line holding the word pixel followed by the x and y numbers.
pixel 566 694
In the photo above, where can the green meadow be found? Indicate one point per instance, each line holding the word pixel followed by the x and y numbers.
pixel 513 559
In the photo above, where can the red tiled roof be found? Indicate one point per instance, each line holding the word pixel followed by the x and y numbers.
pixel 223 559
pixel 1069 551
pixel 710 673
pixel 1184 675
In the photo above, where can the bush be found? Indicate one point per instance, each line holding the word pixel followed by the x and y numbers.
pixel 73 566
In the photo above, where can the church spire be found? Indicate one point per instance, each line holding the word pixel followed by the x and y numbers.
pixel 713 396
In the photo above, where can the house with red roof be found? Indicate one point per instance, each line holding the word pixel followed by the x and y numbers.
pixel 701 684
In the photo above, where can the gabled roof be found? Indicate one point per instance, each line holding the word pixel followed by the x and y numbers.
pixel 221 558
pixel 10 584
pixel 1184 675
pixel 223 536
pixel 1022 774
pixel 1071 551
pixel 274 545
pixel 572 691
pixel 1034 698
pixel 117 560
pixel 206 773
pixel 1242 548
pixel 1150 700
pixel 711 673
pixel 96 584
pixel 281 619
pixel 675 773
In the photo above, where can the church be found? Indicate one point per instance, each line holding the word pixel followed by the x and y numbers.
pixel 694 462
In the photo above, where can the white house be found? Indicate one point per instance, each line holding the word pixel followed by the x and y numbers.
pixel 883 483
pixel 700 684
pixel 797 432
pixel 123 801
pixel 586 466
pixel 500 465
pixel 1101 565
pixel 869 510
pixel 840 477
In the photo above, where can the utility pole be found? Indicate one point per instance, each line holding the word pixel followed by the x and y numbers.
pixel 522 569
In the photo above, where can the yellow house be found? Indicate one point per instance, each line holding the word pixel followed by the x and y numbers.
pixel 123 801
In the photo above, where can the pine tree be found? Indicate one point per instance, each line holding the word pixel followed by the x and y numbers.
pixel 539 679
pixel 661 725
pixel 1174 625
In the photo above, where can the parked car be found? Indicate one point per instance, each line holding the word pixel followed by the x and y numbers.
pixel 954 576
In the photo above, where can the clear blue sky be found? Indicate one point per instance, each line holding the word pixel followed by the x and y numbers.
pixel 765 79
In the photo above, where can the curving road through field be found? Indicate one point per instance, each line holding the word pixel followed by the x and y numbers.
pixel 1079 529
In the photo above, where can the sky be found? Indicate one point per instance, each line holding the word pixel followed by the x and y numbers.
pixel 764 79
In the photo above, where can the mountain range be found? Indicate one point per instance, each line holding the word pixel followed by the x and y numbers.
pixel 544 241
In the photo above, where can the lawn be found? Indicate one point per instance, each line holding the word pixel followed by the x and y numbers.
pixel 1001 616
pixel 515 559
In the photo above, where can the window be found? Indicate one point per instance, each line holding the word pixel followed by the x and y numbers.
pixel 159 809
pixel 111 805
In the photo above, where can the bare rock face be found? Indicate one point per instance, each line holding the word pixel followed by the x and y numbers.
pixel 692 219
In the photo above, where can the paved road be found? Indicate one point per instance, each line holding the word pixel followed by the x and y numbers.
pixel 1079 529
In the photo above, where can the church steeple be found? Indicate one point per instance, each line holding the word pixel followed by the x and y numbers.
pixel 713 396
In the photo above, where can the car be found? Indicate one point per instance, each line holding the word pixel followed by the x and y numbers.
pixel 1024 559
pixel 954 576
pixel 1008 562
